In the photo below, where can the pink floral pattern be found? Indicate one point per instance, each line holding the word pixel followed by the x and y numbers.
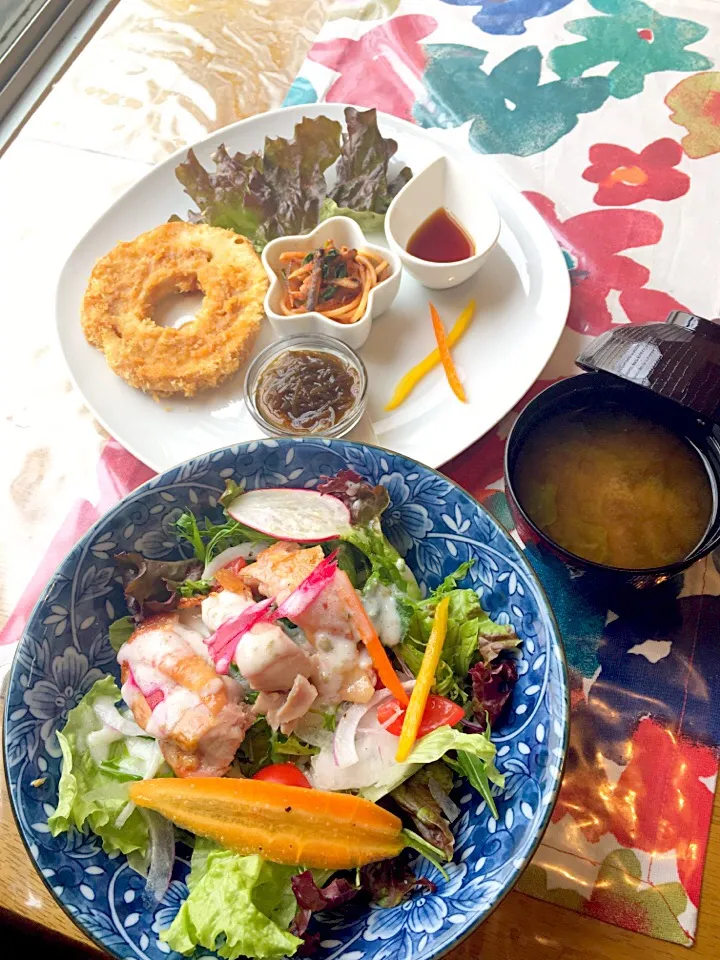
pixel 593 243
pixel 372 69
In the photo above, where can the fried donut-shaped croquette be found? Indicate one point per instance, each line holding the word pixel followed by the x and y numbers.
pixel 127 283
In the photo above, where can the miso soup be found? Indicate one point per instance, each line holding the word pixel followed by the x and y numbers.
pixel 614 488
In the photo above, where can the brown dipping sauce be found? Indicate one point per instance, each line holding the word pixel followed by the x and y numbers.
pixel 306 391
pixel 441 239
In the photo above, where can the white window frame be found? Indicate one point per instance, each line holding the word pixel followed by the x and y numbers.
pixel 40 54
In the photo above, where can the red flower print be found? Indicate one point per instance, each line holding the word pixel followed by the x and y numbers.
pixel 374 70
pixel 625 177
pixel 592 243
pixel 661 802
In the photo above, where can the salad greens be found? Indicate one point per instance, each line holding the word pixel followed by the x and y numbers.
pixel 120 632
pixel 208 539
pixel 263 746
pixel 239 906
pixel 283 190
pixel 246 905
pixel 415 798
pixel 152 586
pixel 95 794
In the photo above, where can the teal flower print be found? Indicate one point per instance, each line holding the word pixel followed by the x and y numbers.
pixel 510 110
pixel 638 39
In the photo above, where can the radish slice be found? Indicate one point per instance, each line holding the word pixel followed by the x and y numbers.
pixel 248 551
pixel 344 750
pixel 155 698
pixel 284 513
pixel 309 590
pixel 223 642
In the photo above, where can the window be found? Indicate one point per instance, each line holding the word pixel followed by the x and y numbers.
pixel 38 39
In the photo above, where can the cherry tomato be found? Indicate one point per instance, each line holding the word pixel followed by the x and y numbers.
pixel 236 565
pixel 285 773
pixel 439 712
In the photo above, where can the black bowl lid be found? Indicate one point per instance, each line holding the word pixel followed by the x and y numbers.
pixel 678 359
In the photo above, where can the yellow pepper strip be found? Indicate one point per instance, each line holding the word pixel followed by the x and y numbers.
pixel 413 377
pixel 424 682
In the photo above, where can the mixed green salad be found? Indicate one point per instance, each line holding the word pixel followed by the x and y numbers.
pixel 293 708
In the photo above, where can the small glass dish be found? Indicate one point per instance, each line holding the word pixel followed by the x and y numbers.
pixel 315 343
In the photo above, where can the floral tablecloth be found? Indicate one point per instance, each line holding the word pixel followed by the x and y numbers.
pixel 606 113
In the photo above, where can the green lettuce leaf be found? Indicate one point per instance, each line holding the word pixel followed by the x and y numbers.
pixel 120 632
pixel 435 746
pixel 387 566
pixel 368 220
pixel 94 795
pixel 471 635
pixel 239 906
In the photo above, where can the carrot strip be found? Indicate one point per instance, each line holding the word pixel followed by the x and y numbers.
pixel 445 357
pixel 413 377
pixel 291 825
pixel 232 582
pixel 424 682
pixel 367 633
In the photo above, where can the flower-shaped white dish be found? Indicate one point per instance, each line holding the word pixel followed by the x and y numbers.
pixel 343 232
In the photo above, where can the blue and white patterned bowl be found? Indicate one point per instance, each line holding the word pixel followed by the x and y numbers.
pixel 435 525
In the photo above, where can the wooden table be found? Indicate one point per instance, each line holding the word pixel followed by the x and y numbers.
pixel 161 74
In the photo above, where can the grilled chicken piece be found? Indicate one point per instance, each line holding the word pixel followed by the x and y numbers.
pixel 175 694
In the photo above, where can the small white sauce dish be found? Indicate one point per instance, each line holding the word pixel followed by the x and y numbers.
pixel 454 186
pixel 343 232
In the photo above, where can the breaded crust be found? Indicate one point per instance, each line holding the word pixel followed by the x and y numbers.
pixel 126 284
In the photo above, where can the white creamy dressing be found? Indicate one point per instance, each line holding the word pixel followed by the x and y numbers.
pixel 381 607
pixel 166 715
pixel 221 606
pixel 337 658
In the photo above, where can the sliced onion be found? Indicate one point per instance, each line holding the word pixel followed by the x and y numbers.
pixel 124 815
pixel 248 551
pixel 309 590
pixel 223 642
pixel 109 714
pixel 448 807
pixel 344 750
pixel 162 856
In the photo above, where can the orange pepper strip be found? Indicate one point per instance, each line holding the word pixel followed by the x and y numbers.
pixel 423 683
pixel 291 825
pixel 366 632
pixel 445 357
pixel 232 582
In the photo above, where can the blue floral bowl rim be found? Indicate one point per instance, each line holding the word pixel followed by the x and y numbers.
pixel 289 441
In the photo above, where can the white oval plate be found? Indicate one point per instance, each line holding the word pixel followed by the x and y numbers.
pixel 522 294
